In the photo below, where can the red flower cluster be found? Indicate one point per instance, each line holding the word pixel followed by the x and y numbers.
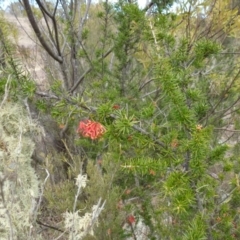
pixel 116 107
pixel 131 219
pixel 91 129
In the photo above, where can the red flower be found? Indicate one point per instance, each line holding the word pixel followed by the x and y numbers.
pixel 128 191
pixel 152 172
pixel 129 138
pixel 116 107
pixel 131 219
pixel 91 129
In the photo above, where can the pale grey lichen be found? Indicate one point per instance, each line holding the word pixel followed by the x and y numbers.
pixel 18 180
pixel 80 226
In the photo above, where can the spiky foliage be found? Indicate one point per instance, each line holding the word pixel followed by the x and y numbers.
pixel 168 102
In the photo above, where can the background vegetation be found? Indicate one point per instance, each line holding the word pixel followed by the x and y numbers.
pixel 164 84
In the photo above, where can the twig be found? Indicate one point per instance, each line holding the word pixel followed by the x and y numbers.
pixel 38 32
pixel 141 130
pixel 86 72
pixel 225 129
pixel 149 93
pixel 49 226
pixel 47 95
pixel 68 151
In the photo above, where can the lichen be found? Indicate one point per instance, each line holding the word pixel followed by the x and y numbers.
pixel 19 186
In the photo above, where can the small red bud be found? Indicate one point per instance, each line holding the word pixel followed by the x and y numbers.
pixel 131 219
pixel 116 107
pixel 152 172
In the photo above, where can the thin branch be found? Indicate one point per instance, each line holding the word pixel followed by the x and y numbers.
pixel 228 108
pixel 38 32
pixel 145 83
pixel 80 80
pixel 49 226
pixel 47 95
pixel 56 29
pixel 43 9
pixel 86 72
pixel 143 131
pixel 84 18
pixel 68 151
pixel 52 17
pixel 222 96
pixel 149 93
pixel 48 27
pixel 229 53
pixel 226 129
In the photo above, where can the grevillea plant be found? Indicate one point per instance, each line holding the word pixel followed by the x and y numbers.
pixel 166 88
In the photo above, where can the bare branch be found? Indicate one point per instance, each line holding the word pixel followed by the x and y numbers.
pixel 86 72
pixel 38 32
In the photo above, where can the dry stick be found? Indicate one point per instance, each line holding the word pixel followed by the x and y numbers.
pixel 49 226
